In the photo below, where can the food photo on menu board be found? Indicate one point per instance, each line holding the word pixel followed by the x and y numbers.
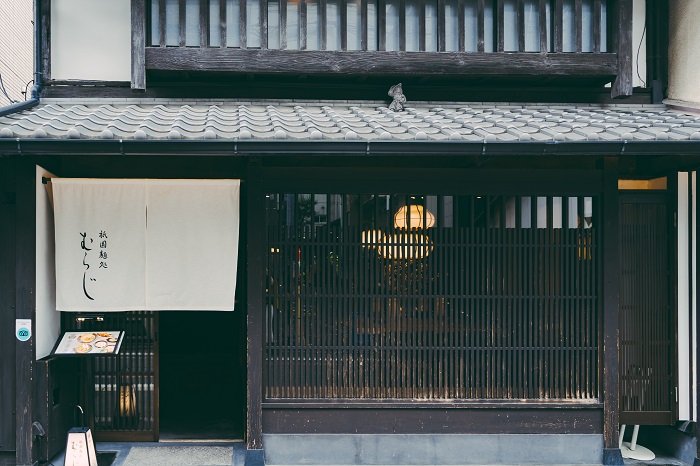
pixel 86 342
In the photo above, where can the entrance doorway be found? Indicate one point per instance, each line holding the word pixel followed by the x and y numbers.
pixel 202 375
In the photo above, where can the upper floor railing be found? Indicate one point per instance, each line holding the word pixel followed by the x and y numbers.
pixel 382 25
pixel 447 37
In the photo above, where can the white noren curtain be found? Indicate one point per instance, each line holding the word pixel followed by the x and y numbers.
pixel 146 244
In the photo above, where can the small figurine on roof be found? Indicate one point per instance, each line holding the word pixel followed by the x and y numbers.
pixel 399 99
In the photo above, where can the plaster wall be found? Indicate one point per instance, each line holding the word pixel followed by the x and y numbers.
pixel 91 40
pixel 684 53
pixel 16 49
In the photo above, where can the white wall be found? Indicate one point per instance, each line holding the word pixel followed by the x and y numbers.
pixel 687 302
pixel 48 320
pixel 91 40
pixel 16 48
pixel 639 36
pixel 684 51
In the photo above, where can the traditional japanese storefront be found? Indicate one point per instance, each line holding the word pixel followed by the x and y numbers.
pixel 407 289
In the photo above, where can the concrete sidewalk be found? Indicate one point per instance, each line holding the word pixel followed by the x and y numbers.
pixel 233 454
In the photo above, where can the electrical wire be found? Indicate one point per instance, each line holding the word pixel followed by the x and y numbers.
pixel 26 88
pixel 2 88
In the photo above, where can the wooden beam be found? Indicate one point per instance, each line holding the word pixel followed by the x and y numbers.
pixel 622 43
pixel 610 301
pixel 377 63
pixel 45 40
pixel 138 44
pixel 255 207
pixel 25 266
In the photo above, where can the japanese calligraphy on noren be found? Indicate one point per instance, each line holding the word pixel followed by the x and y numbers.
pixel 92 260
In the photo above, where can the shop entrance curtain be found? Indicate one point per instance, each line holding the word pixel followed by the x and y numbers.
pixel 146 244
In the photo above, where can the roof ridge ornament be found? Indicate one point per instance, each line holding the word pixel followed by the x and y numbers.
pixel 396 92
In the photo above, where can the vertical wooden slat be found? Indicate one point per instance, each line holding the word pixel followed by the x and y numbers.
pixel 441 25
pixel 421 25
pixel 323 22
pixel 343 24
pixel 303 30
pixel 161 22
pixel 597 18
pixel 558 25
pixel 243 23
pixel 521 25
pixel 283 24
pixel 381 24
pixel 480 25
pixel 223 24
pixel 182 18
pixel 363 25
pixel 544 27
pixel 578 25
pixel 499 18
pixel 263 24
pixel 402 25
pixel 460 26
pixel 204 31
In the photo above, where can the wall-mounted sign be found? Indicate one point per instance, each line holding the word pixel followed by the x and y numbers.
pixel 23 329
pixel 102 342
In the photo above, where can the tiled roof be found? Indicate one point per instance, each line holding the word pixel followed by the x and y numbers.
pixel 235 120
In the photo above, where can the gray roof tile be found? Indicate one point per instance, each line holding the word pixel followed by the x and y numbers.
pixel 176 119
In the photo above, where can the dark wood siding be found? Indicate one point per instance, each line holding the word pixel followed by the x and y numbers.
pixel 513 419
pixel 646 317
pixel 7 306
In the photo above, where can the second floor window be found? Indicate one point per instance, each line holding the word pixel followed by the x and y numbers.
pixel 391 25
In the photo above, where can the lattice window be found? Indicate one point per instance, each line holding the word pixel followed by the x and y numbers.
pixel 432 297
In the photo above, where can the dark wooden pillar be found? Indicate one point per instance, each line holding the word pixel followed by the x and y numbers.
pixel 255 221
pixel 622 43
pixel 7 304
pixel 25 266
pixel 611 291
pixel 138 44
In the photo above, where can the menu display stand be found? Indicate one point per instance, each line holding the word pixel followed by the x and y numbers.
pixel 89 343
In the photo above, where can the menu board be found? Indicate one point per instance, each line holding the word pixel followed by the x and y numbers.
pixel 103 342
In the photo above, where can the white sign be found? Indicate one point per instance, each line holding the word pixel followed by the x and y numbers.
pixel 23 328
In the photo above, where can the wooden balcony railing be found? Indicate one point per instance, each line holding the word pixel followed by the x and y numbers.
pixel 427 37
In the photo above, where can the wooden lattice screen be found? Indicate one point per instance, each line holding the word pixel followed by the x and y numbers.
pixel 474 297
pixel 120 390
pixel 646 333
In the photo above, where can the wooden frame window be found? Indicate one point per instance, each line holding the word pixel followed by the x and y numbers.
pixel 395 296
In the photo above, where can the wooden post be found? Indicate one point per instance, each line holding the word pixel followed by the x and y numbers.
pixel 138 44
pixel 622 43
pixel 25 263
pixel 611 298
pixel 255 215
